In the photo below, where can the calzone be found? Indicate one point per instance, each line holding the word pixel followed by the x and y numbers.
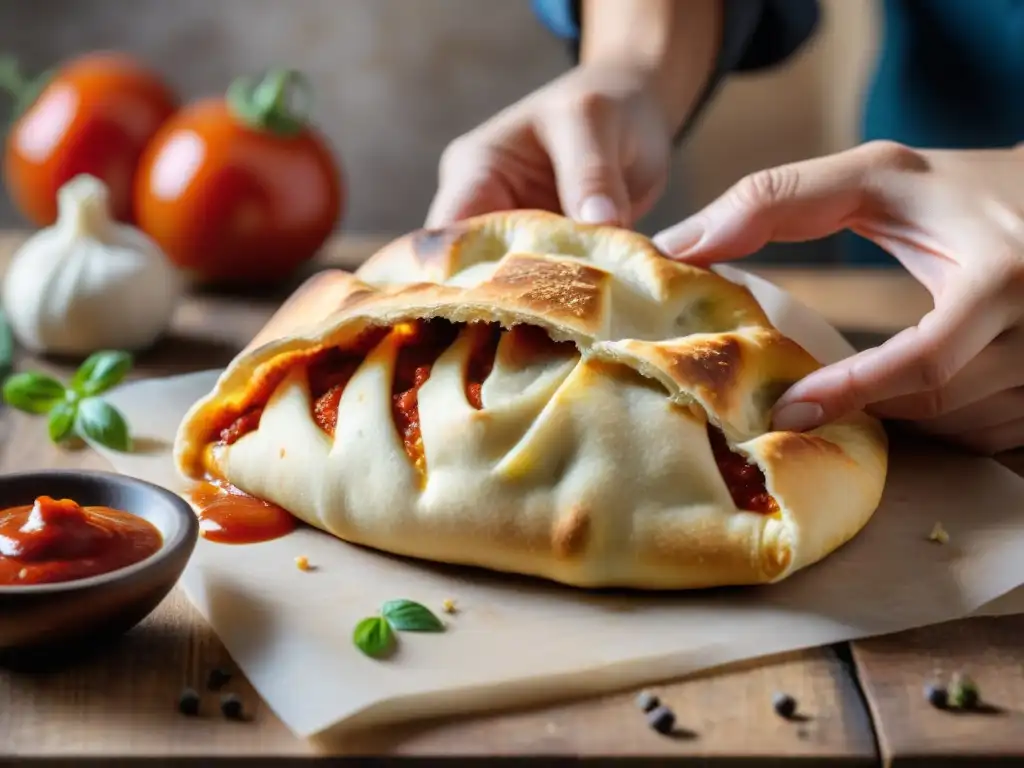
pixel 531 395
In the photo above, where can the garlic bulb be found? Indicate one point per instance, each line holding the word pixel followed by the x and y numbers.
pixel 89 282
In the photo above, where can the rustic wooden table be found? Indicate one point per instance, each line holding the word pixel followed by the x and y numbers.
pixel 862 700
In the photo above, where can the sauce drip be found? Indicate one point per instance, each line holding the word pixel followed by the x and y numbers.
pixel 745 481
pixel 229 516
pixel 56 541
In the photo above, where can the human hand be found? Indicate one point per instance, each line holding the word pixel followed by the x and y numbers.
pixel 593 144
pixel 955 219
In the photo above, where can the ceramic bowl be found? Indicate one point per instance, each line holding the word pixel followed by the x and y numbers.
pixel 74 613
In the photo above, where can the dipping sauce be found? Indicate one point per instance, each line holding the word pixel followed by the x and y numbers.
pixel 230 516
pixel 57 540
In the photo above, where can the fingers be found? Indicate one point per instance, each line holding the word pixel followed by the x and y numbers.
pixel 993 440
pixel 923 358
pixel 993 411
pixel 467 185
pixel 582 141
pixel 970 395
pixel 800 201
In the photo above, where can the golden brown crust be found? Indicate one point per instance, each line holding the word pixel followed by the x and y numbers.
pixel 626 308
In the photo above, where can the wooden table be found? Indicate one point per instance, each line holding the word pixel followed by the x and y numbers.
pixel 862 700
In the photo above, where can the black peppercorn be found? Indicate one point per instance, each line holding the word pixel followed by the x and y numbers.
pixel 661 719
pixel 646 701
pixel 188 702
pixel 217 679
pixel 937 695
pixel 784 705
pixel 231 706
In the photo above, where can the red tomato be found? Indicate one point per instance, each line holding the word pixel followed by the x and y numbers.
pixel 94 116
pixel 240 189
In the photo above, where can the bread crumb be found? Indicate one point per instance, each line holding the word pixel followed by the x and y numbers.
pixel 23 573
pixel 939 534
pixel 281 454
pixel 302 563
pixel 448 605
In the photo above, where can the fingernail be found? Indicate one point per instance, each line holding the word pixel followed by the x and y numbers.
pixel 798 417
pixel 680 238
pixel 598 209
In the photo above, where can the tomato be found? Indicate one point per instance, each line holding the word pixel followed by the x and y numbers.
pixel 95 115
pixel 241 189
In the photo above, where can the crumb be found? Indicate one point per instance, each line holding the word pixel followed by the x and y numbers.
pixel 302 563
pixel 939 534
pixel 551 728
pixel 281 454
pixel 23 573
pixel 448 605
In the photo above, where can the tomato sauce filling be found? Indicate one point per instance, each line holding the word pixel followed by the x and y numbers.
pixel 58 540
pixel 745 481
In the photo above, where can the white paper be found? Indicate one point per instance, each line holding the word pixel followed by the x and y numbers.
pixel 518 641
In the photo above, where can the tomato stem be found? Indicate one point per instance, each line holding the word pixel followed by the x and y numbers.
pixel 264 105
pixel 23 90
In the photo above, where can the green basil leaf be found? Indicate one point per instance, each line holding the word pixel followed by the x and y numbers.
pixel 6 347
pixel 33 392
pixel 373 636
pixel 62 421
pixel 102 423
pixel 407 616
pixel 101 371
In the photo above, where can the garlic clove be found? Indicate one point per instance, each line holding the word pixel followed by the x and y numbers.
pixel 89 282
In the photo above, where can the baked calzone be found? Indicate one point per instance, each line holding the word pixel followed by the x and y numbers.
pixel 531 395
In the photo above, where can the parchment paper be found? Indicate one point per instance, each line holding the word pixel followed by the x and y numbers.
pixel 518 641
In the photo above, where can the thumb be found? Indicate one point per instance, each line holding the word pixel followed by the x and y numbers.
pixel 790 203
pixel 588 173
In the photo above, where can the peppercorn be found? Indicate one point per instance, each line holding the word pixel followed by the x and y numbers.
pixel 661 719
pixel 188 702
pixel 937 695
pixel 784 705
pixel 646 701
pixel 963 692
pixel 231 706
pixel 217 679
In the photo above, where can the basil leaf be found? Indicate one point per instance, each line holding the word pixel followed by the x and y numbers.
pixel 33 392
pixel 373 636
pixel 6 347
pixel 407 616
pixel 62 420
pixel 102 423
pixel 101 371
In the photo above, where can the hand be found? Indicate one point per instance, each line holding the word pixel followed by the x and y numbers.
pixel 955 219
pixel 593 144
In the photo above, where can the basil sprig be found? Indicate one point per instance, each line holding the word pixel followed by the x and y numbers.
pixel 407 616
pixel 375 635
pixel 76 409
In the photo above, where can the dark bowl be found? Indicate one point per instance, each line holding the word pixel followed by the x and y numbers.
pixel 51 617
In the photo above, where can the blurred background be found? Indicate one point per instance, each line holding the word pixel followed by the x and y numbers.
pixel 395 80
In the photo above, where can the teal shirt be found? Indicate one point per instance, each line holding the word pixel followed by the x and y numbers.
pixel 950 73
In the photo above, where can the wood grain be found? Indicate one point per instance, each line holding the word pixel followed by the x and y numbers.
pixel 894 669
